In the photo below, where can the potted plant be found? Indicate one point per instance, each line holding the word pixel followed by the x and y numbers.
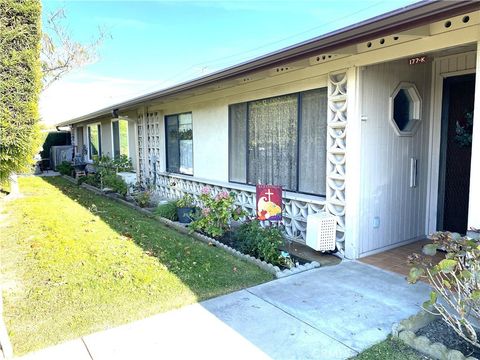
pixel 185 206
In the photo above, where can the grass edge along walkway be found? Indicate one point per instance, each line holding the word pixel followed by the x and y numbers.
pixel 73 262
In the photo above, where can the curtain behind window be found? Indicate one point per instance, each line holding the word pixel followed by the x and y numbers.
pixel 272 141
pixel 179 135
pixel 185 133
pixel 313 143
pixel 238 143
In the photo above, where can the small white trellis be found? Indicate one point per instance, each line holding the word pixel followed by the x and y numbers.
pixel 149 136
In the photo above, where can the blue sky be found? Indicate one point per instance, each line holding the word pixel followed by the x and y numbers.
pixel 156 44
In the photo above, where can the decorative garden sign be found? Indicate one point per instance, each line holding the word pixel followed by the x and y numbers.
pixel 269 202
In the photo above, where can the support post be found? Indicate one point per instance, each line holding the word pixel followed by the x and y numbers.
pixel 474 197
pixel 352 163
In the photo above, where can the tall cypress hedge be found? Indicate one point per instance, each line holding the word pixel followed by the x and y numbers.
pixel 20 84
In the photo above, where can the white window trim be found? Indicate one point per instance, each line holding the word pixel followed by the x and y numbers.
pixel 88 140
pixel 128 136
pixel 165 145
pixel 297 94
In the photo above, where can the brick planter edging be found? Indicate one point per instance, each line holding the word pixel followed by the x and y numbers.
pixel 406 329
pixel 275 270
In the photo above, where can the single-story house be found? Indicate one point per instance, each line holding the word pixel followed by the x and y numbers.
pixel 371 123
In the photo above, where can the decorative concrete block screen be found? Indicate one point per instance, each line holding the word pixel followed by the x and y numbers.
pixel 151 149
pixel 73 137
pixel 141 148
pixel 153 144
pixel 336 142
pixel 294 214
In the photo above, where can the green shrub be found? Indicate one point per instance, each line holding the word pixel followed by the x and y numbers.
pixel 122 163
pixel 90 179
pixel 246 237
pixel 20 84
pixel 116 183
pixel 168 211
pixel 261 242
pixel 186 201
pixel 268 244
pixel 106 165
pixel 65 168
pixel 143 198
pixel 54 138
pixel 107 169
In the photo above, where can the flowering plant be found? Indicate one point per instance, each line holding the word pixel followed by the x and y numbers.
pixel 217 212
pixel 186 201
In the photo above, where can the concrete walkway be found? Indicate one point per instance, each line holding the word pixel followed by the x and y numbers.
pixel 329 313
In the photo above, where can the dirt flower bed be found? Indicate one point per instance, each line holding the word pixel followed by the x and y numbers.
pixel 229 239
pixel 439 331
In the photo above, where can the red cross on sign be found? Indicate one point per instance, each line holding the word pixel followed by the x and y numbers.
pixel 269 202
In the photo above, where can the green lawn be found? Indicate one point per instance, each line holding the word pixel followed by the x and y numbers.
pixel 390 349
pixel 73 263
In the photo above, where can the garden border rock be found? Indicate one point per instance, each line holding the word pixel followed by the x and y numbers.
pixel 406 331
pixel 275 270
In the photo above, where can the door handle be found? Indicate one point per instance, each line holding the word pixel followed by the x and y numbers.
pixel 413 172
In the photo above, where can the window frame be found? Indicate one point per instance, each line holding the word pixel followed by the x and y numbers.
pixel 99 128
pixel 128 137
pixel 77 130
pixel 416 103
pixel 178 142
pixel 299 127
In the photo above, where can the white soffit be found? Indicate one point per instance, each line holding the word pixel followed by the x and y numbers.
pixel 438 27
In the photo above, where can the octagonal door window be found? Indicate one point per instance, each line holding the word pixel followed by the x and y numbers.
pixel 405 109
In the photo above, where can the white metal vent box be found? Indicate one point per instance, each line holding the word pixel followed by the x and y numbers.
pixel 321 231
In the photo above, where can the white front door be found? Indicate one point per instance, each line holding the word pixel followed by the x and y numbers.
pixel 395 113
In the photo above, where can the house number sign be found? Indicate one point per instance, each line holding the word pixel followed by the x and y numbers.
pixel 418 60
